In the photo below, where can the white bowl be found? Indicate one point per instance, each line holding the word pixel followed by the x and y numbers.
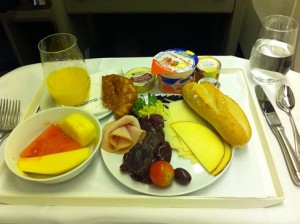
pixel 29 129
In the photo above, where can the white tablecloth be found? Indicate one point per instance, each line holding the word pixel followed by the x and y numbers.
pixel 23 82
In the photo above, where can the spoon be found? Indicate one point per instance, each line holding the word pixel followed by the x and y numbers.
pixel 286 102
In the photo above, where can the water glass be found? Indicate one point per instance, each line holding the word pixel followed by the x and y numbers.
pixel 65 73
pixel 272 53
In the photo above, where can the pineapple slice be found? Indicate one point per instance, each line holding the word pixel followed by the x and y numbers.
pixel 79 128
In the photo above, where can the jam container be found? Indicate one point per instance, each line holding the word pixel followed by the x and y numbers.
pixel 213 81
pixel 142 79
pixel 207 67
pixel 174 68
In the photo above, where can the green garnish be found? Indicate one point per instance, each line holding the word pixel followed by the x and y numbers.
pixel 138 105
pixel 143 109
pixel 152 100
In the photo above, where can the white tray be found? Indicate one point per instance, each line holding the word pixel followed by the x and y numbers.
pixel 250 181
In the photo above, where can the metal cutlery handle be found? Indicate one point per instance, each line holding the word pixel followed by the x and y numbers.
pixel 4 136
pixel 296 135
pixel 290 157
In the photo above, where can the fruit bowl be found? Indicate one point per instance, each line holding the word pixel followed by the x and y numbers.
pixel 32 127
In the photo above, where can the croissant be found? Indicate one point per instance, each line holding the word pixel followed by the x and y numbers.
pixel 118 94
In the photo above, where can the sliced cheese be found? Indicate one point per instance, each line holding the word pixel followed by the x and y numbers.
pixel 170 135
pixel 181 111
pixel 203 142
pixel 225 160
pixel 192 158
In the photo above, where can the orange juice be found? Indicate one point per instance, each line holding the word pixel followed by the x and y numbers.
pixel 69 86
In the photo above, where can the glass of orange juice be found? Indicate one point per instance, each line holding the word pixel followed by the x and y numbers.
pixel 66 76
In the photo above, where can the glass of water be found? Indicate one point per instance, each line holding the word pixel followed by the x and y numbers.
pixel 272 54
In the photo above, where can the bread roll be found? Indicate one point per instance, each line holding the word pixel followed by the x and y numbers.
pixel 222 112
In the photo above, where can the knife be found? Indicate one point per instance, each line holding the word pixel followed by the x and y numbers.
pixel 274 122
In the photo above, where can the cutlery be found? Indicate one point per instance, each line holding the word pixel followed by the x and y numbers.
pixel 274 122
pixel 9 116
pixel 286 101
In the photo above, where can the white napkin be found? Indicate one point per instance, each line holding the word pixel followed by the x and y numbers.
pixel 94 103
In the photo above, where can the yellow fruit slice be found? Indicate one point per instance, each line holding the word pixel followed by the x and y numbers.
pixel 203 142
pixel 56 163
pixel 225 160
pixel 79 128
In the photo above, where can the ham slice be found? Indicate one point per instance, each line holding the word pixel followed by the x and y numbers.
pixel 121 135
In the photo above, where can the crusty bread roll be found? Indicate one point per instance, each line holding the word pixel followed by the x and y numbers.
pixel 222 112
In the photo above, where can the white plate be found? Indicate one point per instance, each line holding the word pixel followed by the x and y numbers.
pixel 200 177
pixel 93 104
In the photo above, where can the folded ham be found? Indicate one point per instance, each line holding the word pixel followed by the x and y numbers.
pixel 121 135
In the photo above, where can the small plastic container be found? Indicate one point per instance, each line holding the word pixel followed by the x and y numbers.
pixel 174 68
pixel 207 67
pixel 215 82
pixel 142 79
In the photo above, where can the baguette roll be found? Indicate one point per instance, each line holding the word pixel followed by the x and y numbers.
pixel 222 112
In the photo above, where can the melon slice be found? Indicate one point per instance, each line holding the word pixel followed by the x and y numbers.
pixel 54 164
pixel 52 140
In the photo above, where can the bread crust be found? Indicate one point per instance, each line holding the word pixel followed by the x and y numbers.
pixel 222 112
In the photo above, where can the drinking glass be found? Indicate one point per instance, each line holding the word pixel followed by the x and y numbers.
pixel 272 53
pixel 65 73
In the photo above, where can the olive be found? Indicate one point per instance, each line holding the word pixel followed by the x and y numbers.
pixel 182 176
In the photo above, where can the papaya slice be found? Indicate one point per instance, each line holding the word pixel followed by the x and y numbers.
pixel 56 163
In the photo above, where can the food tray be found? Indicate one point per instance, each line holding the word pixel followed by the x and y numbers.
pixel 250 181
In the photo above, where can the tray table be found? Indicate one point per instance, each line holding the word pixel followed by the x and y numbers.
pixel 251 180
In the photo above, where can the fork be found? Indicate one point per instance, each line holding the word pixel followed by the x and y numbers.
pixel 9 116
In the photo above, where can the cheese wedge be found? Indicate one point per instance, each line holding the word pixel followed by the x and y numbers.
pixel 181 111
pixel 203 142
pixel 225 160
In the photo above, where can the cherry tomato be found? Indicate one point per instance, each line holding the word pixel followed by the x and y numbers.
pixel 161 173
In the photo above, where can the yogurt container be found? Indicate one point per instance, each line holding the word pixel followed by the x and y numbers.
pixel 174 68
pixel 142 79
